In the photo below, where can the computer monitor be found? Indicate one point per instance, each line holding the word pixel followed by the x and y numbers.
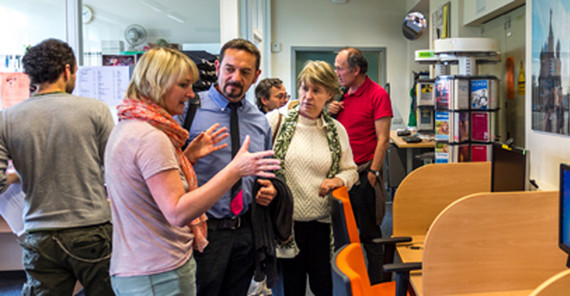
pixel 510 168
pixel 564 217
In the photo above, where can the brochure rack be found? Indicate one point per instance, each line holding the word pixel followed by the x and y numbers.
pixel 464 105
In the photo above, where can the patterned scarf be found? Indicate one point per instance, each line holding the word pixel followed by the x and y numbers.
pixel 286 134
pixel 156 116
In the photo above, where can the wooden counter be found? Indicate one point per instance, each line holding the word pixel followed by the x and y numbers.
pixel 403 144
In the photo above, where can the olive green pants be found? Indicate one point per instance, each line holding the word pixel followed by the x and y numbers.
pixel 55 260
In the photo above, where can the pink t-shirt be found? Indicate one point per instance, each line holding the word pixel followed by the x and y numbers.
pixel 362 108
pixel 144 242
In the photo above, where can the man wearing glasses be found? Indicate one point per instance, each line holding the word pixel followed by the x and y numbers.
pixel 271 94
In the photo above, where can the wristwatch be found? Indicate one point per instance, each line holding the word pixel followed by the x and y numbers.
pixel 376 173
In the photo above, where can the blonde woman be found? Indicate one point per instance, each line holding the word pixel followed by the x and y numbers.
pixel 316 158
pixel 156 204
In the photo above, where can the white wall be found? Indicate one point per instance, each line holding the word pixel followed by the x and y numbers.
pixel 410 4
pixel 478 12
pixel 418 44
pixel 547 150
pixel 456 18
pixel 360 23
pixel 229 20
pixel 510 32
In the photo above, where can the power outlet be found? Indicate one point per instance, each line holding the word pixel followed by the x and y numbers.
pixel 276 47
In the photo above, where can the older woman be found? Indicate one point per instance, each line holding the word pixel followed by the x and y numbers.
pixel 316 158
pixel 152 187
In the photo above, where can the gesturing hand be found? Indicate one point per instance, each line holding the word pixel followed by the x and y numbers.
pixel 257 164
pixel 205 143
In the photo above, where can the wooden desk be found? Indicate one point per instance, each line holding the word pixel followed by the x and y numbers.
pixel 423 194
pixel 428 190
pixel 400 143
pixel 413 252
pixel 501 243
pixel 557 285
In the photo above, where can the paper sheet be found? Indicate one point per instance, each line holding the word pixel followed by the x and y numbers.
pixel 12 207
pixel 105 83
pixel 14 88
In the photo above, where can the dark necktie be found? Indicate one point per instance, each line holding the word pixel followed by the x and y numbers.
pixel 237 199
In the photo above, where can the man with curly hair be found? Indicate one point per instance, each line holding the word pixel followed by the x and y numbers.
pixel 56 141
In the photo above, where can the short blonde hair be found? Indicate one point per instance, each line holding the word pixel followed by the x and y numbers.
pixel 157 71
pixel 320 72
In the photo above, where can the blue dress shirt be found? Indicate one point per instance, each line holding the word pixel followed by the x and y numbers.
pixel 214 109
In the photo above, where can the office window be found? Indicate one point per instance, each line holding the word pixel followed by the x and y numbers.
pixel 26 23
pixel 175 22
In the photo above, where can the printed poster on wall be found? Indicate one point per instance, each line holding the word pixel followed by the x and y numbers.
pixel 14 88
pixel 550 66
pixel 105 83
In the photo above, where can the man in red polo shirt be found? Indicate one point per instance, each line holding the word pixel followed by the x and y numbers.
pixel 366 112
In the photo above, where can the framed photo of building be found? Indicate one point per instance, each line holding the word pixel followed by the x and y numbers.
pixel 440 22
pixel 550 83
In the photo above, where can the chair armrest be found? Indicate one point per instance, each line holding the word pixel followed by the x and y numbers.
pixel 392 240
pixel 389 248
pixel 402 267
pixel 402 271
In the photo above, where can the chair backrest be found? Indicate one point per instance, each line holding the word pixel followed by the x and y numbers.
pixel 345 229
pixel 493 242
pixel 350 276
pixel 426 191
pixel 341 282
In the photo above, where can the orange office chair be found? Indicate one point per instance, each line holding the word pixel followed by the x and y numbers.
pixel 350 277
pixel 345 231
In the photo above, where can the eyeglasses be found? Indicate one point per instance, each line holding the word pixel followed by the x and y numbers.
pixel 284 97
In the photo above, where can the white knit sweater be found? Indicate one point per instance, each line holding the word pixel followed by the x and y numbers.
pixel 307 163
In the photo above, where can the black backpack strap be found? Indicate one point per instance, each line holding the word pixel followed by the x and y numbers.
pixel 193 105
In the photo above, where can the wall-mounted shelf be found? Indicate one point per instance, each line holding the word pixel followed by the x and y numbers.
pixel 467 53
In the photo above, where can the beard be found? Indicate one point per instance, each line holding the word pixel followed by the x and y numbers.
pixel 236 93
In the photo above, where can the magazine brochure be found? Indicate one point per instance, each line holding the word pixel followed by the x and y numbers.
pixel 441 126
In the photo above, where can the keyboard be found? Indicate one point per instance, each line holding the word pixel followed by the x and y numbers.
pixel 412 139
